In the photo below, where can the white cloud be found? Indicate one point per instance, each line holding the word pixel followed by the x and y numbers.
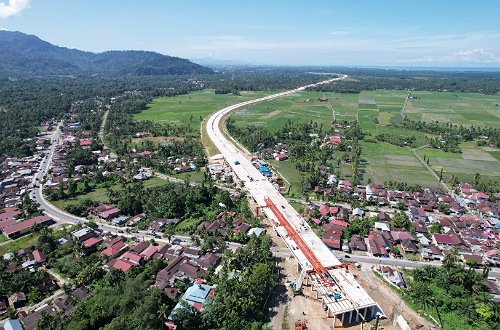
pixel 478 55
pixel 13 7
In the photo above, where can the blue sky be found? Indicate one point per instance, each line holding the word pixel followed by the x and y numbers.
pixel 362 32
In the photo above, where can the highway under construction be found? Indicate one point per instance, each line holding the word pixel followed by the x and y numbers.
pixel 342 297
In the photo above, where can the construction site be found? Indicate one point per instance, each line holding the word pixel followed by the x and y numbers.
pixel 342 297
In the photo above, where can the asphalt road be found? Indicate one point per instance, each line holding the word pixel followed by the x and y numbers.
pixel 63 217
pixel 352 258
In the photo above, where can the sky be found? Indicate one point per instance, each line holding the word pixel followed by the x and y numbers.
pixel 420 33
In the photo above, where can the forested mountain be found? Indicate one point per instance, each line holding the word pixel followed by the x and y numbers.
pixel 23 54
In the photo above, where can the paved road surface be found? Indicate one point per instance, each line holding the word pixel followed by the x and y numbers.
pixel 63 217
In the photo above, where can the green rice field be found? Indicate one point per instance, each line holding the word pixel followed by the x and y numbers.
pixel 192 108
pixel 375 111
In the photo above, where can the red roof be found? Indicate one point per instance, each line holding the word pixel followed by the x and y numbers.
pixel 91 241
pixel 9 213
pixel 479 195
pixel 149 252
pixel 114 249
pixel 6 223
pixel 339 223
pixel 451 239
pixel 332 243
pixel 123 265
pixel 132 257
pixel 39 256
pixel 85 142
pixel 145 153
pixel 324 209
pixel 282 156
pixel 335 139
pixel 109 213
pixel 20 226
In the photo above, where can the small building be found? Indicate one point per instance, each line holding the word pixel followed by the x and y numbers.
pixel 447 240
pixel 195 296
pixel 492 257
pixel 17 300
pixel 83 234
pixel 12 325
pixel 148 253
pixel 24 227
pixel 110 214
pixel 408 246
pixel 119 220
pixel 281 157
pixel 90 245
pixel 185 168
pixel 383 226
pixel 114 250
pixel 255 231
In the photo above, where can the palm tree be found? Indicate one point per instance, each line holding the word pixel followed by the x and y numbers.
pixel 162 313
pixel 451 259
pixel 459 276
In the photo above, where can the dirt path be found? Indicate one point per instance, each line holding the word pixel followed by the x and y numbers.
pixel 388 299
pixel 60 281
pixel 404 105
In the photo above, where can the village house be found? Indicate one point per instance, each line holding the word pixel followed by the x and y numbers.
pixel 447 241
pixel 195 296
pixel 492 257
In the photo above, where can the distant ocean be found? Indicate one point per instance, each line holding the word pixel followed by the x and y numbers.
pixel 431 68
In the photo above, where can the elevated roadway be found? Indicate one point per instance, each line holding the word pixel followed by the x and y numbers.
pixel 326 274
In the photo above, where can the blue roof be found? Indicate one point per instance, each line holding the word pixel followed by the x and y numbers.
pixel 195 293
pixel 12 325
pixel 263 169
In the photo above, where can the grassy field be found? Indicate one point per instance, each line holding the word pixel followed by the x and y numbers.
pixel 457 108
pixel 299 108
pixel 3 239
pixel 100 195
pixel 473 159
pixel 195 176
pixel 375 111
pixel 192 108
pixel 19 243
pixel 386 162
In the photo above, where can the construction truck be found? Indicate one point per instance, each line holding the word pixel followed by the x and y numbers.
pixel 297 286
pixel 294 288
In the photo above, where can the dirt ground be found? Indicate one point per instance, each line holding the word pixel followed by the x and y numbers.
pixel 285 308
pixel 388 300
pixel 282 299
